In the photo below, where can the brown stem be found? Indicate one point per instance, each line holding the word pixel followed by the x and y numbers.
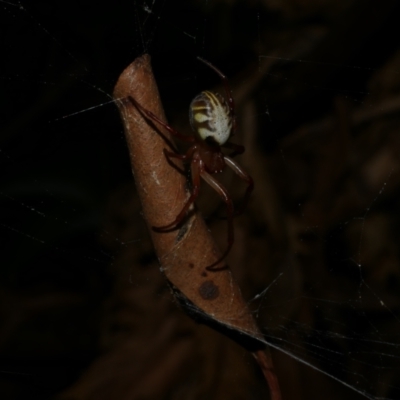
pixel 184 253
pixel 264 360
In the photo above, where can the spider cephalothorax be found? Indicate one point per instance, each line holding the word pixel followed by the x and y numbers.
pixel 212 118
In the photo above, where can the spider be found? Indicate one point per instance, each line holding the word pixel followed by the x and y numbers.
pixel 212 118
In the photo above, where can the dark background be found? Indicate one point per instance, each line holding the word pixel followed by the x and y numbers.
pixel 68 203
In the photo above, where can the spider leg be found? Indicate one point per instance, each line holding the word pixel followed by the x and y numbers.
pixel 246 177
pixel 153 117
pixel 184 157
pixel 170 154
pixel 229 204
pixel 196 167
pixel 237 148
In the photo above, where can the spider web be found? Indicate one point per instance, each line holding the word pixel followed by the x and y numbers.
pixel 323 280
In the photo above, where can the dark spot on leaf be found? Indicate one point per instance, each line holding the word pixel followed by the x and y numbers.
pixel 204 273
pixel 208 290
pixel 191 265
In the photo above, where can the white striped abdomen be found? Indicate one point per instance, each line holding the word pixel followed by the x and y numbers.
pixel 210 117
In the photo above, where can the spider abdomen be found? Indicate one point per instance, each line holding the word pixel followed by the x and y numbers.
pixel 210 117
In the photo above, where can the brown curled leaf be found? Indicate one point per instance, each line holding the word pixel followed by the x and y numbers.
pixel 184 253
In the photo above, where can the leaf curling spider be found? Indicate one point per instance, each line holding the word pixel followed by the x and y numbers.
pixel 212 118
